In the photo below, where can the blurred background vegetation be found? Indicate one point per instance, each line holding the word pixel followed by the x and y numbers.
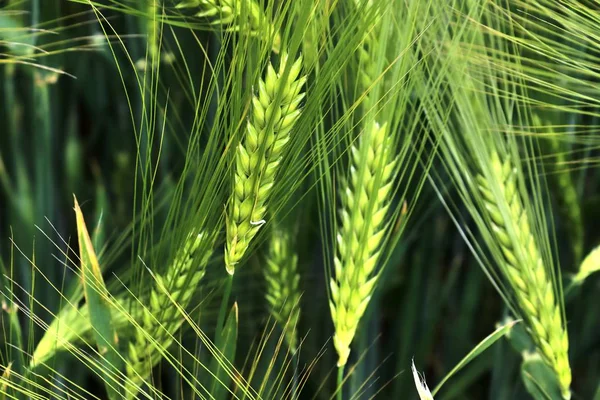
pixel 80 116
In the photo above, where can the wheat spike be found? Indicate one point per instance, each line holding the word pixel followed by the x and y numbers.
pixel 161 318
pixel 239 15
pixel 365 203
pixel 368 68
pixel 283 284
pixel 524 269
pixel 274 113
pixel 568 199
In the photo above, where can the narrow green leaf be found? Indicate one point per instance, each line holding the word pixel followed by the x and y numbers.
pixel 539 379
pixel 226 343
pixel 99 234
pixel 589 265
pixel 97 298
pixel 477 350
pixel 520 340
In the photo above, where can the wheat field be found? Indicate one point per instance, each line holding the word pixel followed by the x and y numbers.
pixel 308 199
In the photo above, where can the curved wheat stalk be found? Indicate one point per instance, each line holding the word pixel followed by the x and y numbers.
pixel 275 111
pixel 524 268
pixel 566 194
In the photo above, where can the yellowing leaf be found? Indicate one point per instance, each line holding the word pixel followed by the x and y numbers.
pixel 99 305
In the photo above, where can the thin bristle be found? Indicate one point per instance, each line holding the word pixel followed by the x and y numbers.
pixel 283 284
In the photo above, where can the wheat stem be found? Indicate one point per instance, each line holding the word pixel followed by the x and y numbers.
pixel 275 111
pixel 340 383
pixel 524 268
pixel 224 306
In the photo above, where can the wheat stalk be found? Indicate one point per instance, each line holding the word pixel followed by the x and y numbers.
pixel 240 15
pixel 283 284
pixel 524 268
pixel 161 318
pixel 365 203
pixel 153 29
pixel 274 113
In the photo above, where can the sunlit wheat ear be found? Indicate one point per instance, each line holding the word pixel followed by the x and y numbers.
pixel 275 110
pixel 362 229
pixel 524 268
pixel 283 283
pixel 244 16
pixel 161 319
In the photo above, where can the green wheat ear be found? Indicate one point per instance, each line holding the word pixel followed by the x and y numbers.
pixel 161 319
pixel 275 111
pixel 524 269
pixel 365 204
pixel 244 16
pixel 283 284
pixel 566 194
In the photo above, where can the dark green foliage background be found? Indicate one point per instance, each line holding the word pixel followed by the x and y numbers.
pixel 73 134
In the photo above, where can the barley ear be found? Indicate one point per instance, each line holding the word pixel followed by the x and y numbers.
pixel 237 15
pixel 161 319
pixel 568 200
pixel 365 202
pixel 275 110
pixel 283 284
pixel 563 186
pixel 524 268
